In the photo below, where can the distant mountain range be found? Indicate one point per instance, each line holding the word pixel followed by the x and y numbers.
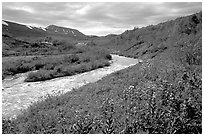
pixel 25 31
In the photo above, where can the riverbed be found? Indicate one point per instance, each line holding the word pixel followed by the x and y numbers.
pixel 18 95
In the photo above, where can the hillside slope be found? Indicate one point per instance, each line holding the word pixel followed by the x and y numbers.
pixel 25 32
pixel 150 41
pixel 66 32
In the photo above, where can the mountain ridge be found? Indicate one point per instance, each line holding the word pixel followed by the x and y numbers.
pixel 18 30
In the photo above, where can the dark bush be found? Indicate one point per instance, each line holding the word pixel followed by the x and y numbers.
pixel 108 56
pixel 71 58
pixel 68 70
pixel 40 75
pixel 35 45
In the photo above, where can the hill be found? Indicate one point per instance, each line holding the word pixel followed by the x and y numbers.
pixel 66 32
pixel 150 41
pixel 20 31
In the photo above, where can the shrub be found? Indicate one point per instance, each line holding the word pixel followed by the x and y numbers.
pixel 194 58
pixel 65 46
pixel 68 70
pixel 80 68
pixel 39 64
pixel 40 75
pixel 71 58
pixel 7 126
pixel 108 56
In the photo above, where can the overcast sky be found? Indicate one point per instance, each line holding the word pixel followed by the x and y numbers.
pixel 96 18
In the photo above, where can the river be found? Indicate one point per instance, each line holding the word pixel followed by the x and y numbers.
pixel 18 95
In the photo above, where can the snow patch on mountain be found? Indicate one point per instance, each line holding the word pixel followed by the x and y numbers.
pixel 43 28
pixel 29 27
pixel 4 23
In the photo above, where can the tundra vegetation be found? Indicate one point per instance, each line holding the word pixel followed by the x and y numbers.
pixel 52 66
pixel 161 95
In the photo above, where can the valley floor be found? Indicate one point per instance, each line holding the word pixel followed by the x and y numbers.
pixel 18 95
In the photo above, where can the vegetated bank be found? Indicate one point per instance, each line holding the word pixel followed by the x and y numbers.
pixel 52 66
pixel 18 95
pixel 161 95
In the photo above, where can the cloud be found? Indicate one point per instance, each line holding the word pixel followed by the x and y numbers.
pixel 97 18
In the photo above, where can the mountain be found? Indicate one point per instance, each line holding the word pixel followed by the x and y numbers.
pixel 53 29
pixel 25 31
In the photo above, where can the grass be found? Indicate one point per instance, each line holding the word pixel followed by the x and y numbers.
pixel 140 99
pixel 16 47
pixel 59 65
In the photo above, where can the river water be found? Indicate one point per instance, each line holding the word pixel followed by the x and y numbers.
pixel 18 95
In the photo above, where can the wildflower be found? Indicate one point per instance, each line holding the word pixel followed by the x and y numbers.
pixel 131 87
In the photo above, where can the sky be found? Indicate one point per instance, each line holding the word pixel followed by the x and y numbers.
pixel 96 18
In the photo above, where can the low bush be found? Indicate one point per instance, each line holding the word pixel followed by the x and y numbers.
pixel 40 75
pixel 15 67
pixel 67 71
pixel 71 59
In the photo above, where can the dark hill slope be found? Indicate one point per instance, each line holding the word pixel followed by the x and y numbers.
pixel 25 32
pixel 150 41
pixel 19 30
